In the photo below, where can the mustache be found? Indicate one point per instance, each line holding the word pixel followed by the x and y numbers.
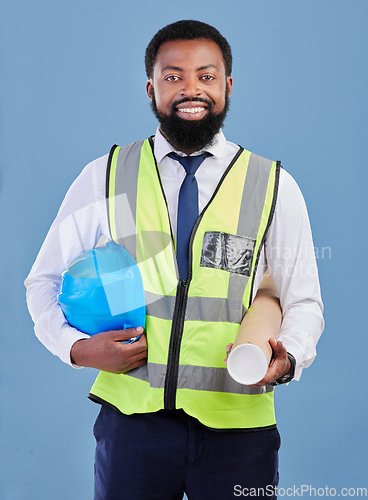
pixel 209 103
pixel 193 135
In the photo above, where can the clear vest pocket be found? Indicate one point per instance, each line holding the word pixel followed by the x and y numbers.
pixel 228 252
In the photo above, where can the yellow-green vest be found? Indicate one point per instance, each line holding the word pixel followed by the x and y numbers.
pixel 190 323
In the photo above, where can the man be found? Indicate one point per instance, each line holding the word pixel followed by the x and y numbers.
pixel 204 218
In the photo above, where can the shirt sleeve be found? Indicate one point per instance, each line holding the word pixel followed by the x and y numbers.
pixel 290 257
pixel 78 226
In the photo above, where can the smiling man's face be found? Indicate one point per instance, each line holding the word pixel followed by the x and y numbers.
pixel 189 90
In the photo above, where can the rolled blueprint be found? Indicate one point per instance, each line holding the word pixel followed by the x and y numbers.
pixel 250 356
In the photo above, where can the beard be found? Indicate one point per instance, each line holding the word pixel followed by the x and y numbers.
pixel 191 135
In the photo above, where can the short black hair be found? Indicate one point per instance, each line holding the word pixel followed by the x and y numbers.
pixel 187 30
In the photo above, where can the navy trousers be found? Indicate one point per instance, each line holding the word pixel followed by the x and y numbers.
pixel 159 456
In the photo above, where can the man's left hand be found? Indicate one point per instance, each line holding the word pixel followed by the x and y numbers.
pixel 279 365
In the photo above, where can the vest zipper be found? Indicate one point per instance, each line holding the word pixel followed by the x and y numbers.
pixel 172 371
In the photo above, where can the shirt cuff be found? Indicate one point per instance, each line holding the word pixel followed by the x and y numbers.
pixel 302 359
pixel 68 337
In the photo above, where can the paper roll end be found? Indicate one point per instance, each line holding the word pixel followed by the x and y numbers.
pixel 247 364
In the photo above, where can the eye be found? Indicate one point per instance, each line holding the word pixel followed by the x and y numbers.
pixel 207 78
pixel 172 78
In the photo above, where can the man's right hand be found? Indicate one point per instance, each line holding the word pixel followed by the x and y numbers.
pixel 105 351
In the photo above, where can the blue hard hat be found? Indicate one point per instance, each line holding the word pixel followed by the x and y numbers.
pixel 102 290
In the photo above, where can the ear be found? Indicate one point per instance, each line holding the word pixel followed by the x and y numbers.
pixel 149 88
pixel 229 84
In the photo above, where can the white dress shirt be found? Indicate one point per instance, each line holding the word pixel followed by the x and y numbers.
pixel 82 221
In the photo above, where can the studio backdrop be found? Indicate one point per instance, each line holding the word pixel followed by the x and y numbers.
pixel 72 85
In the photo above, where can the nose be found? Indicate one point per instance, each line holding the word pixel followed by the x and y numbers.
pixel 191 86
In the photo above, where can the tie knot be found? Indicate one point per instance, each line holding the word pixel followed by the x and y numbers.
pixel 190 163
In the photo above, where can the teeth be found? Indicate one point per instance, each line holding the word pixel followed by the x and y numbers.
pixel 191 110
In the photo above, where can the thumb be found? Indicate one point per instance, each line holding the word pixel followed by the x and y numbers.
pixel 276 345
pixel 273 342
pixel 119 335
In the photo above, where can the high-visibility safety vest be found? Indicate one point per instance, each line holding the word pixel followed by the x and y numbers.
pixel 190 323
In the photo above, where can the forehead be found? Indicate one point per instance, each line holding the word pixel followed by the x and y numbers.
pixel 189 54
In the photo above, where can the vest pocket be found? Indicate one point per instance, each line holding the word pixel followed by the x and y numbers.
pixel 228 252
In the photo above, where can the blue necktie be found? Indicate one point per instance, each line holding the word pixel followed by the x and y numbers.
pixel 187 208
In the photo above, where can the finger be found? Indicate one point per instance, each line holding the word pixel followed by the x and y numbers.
pixel 267 379
pixel 142 341
pixel 275 371
pixel 136 347
pixel 228 348
pixel 127 367
pixel 131 366
pixel 119 335
pixel 277 346
pixel 138 357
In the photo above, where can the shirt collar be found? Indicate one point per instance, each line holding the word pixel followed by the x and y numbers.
pixel 162 147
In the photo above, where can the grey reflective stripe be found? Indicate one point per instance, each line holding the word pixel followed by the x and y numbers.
pixel 198 308
pixel 160 306
pixel 126 182
pixel 237 284
pixel 254 194
pixel 251 209
pixel 197 378
pixel 211 309
pixel 204 378
pixel 153 373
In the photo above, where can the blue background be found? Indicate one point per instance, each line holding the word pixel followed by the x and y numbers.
pixel 72 84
